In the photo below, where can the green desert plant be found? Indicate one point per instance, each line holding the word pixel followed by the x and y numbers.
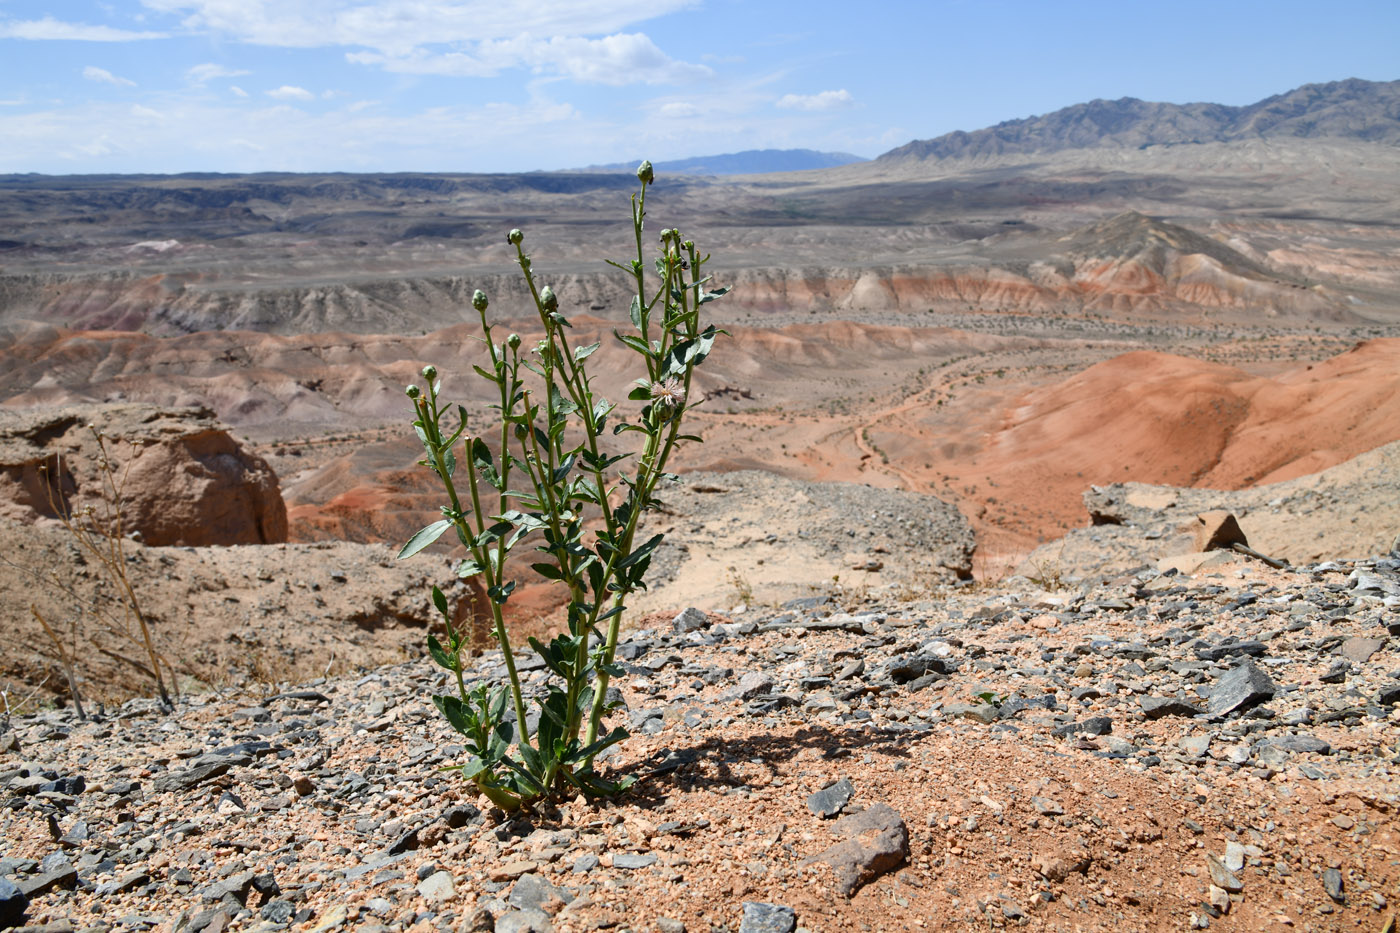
pixel 544 473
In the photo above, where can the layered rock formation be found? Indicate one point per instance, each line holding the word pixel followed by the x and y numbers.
pixel 181 477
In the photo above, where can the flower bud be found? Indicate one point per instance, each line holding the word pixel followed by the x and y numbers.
pixel 479 301
pixel 514 237
pixel 430 372
pixel 513 341
pixel 689 245
pixel 412 392
pixel 666 234
pixel 644 173
pixel 547 299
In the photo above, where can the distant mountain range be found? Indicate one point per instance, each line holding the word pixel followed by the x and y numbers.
pixel 1351 109
pixel 748 162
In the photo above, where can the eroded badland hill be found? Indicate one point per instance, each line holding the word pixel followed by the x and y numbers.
pixel 975 394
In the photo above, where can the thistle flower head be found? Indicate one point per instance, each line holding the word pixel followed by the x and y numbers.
pixel 644 172
pixel 479 301
pixel 548 299
pixel 669 393
pixel 514 237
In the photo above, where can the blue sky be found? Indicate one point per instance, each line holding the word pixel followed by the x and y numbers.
pixel 489 85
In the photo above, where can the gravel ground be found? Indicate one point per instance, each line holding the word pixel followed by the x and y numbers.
pixel 1161 751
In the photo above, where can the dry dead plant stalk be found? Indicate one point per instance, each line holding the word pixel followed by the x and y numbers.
pixel 65 657
pixel 101 535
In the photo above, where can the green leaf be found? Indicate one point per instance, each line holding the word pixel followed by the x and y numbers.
pixel 424 538
pixel 440 601
pixel 639 394
pixel 636 343
pixel 548 571
pixel 612 738
pixel 706 297
pixel 499 594
pixel 441 657
pixel 635 312
pixel 469 568
pixel 583 353
pixel 642 552
pixel 458 714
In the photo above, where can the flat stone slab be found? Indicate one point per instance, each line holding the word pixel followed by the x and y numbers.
pixel 760 917
pixel 1239 689
pixel 873 842
pixel 829 801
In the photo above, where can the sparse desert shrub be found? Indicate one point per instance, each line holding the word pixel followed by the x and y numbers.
pixel 540 474
pixel 100 533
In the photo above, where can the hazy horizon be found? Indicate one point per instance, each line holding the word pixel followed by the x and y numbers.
pixel 167 86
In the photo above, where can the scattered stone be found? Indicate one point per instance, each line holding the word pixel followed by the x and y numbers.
pixel 1332 884
pixel 1221 876
pixel 438 886
pixel 760 917
pixel 1161 707
pixel 691 620
pixel 534 892
pixel 1239 689
pixel 632 862
pixel 13 904
pixel 874 841
pixel 1358 650
pixel 830 800
pixel 1047 807
pixel 524 921
pixel 1218 530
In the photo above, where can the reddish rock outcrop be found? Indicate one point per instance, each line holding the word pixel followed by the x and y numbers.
pixel 183 479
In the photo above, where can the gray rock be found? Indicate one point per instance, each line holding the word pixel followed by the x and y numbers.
pixel 750 685
pixel 903 670
pixel 1047 807
pixel 41 884
pixel 533 892
pixel 1359 650
pixel 13 904
pixel 1161 707
pixel 631 862
pixel 524 921
pixel 1336 672
pixel 584 864
pixel 253 714
pixel 1231 649
pixel 1332 884
pixel 1240 688
pixel 437 887
pixel 1221 876
pixel 982 712
pixel 830 800
pixel 1389 696
pixel 277 911
pixel 691 620
pixel 851 669
pixel 669 925
pixel 197 775
pixel 1295 743
pixel 873 842
pixel 759 917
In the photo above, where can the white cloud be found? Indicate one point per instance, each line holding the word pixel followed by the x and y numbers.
pixel 50 28
pixel 291 92
pixel 237 91
pixel 678 109
pixel 396 27
pixel 203 74
pixel 826 100
pixel 199 134
pixel 616 60
pixel 103 76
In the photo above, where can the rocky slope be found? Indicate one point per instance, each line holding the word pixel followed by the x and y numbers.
pixel 1163 752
